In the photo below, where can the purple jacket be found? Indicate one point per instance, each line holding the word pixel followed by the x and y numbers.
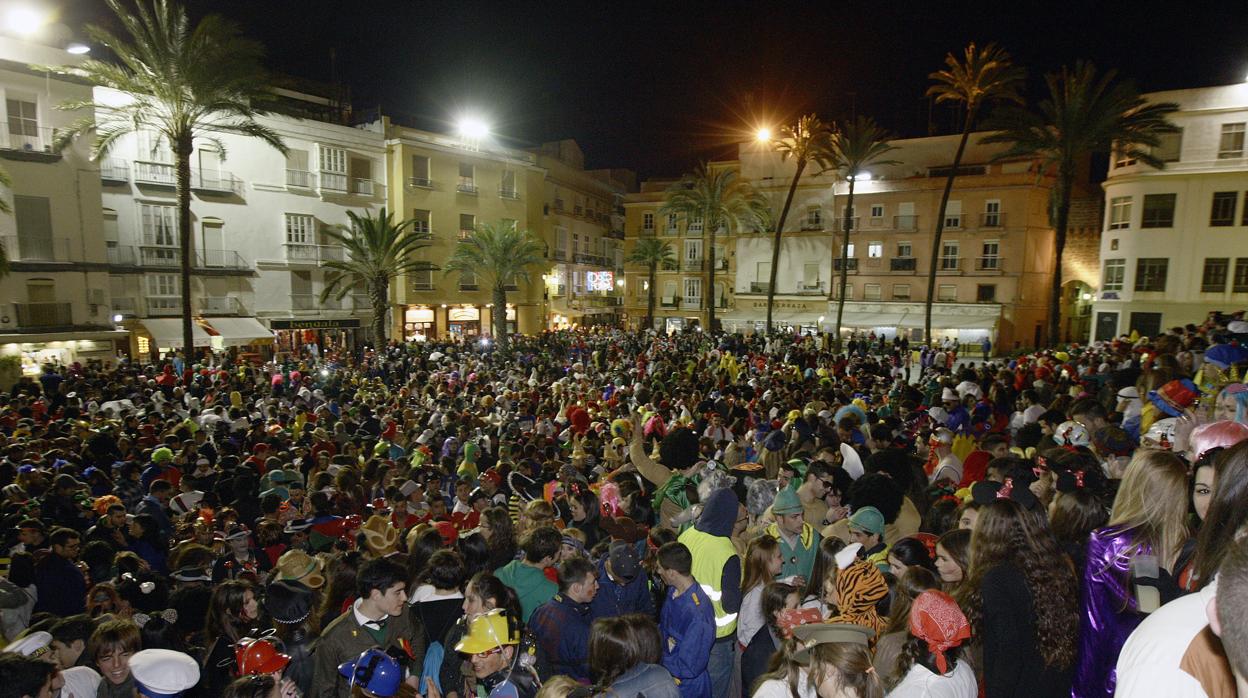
pixel 1109 612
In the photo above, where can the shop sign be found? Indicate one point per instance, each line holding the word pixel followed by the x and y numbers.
pixel 463 315
pixel 341 324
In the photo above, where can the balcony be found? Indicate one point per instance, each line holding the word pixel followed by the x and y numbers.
pixel 28 138
pixel 305 253
pixel 469 287
pixel 220 305
pixel 850 264
pixel 810 289
pixel 300 179
pixel 422 286
pixel 949 265
pixel 159 256
pixel 648 232
pixel 691 303
pixel 990 264
pixel 114 170
pixel 218 182
pixel 465 233
pixel 333 181
pixel 907 222
pixel 668 302
pixel 759 287
pixel 420 182
pixel 839 224
pixel 992 220
pixel 671 230
pixel 20 248
pixel 593 259
pixel 693 231
pixel 161 174
pixel 901 264
pixel 44 314
pixel 125 305
pixel 169 257
pixel 693 264
pixel 809 225
pixel 618 234
pixel 466 186
pixel 163 306
pixel 364 186
pixel 508 193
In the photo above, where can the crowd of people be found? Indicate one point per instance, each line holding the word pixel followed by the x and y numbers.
pixel 632 514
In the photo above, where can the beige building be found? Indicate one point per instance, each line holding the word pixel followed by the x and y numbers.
pixel 995 264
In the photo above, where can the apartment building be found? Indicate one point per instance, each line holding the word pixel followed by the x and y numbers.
pixel 54 302
pixel 259 222
pixel 995 264
pixel 1173 246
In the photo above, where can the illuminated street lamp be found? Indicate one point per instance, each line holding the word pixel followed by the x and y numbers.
pixel 472 128
pixel 78 48
pixel 763 135
pixel 24 20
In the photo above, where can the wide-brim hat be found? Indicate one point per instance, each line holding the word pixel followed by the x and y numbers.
pixel 299 566
pixel 380 535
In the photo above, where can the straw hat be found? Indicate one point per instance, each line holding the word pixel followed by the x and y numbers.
pixel 380 536
pixel 298 566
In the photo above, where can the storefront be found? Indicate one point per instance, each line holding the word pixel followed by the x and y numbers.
pixel 244 335
pixel 967 323
pixel 316 336
pixel 418 323
pixel 161 336
pixel 37 350
pixel 463 322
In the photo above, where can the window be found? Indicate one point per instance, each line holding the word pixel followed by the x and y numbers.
pixel 647 220
pixel 671 223
pixel 836 291
pixel 695 225
pixel 507 186
pixel 877 212
pixel 1213 279
pixel 992 213
pixel 953 214
pixel 333 168
pixel 1222 213
pixel 1119 212
pixel 160 224
pixel 162 285
pixel 422 279
pixel 947 293
pixel 850 252
pixel 904 249
pixel 561 243
pixel 1169 147
pixel 1113 244
pixel 693 290
pixel 762 272
pixel 1121 159
pixel 1114 275
pixel 1158 211
pixel 467 181
pixel 1231 145
pixel 467 281
pixel 810 276
pixel 875 250
pixel 870 292
pixel 297 174
pixel 1150 273
pixel 986 293
pixel 420 171
pixel 814 218
pixel 901 292
pixel 33 215
pixel 990 258
pixel 23 118
pixel 467 224
pixel 420 218
pixel 949 255
pixel 1239 283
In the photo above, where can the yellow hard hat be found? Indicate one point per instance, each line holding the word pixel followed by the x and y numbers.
pixel 487 631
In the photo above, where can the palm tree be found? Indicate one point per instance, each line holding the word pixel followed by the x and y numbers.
pixel 719 198
pixel 502 254
pixel 810 140
pixel 182 83
pixel 377 250
pixel 983 75
pixel 856 146
pixel 650 253
pixel 1083 113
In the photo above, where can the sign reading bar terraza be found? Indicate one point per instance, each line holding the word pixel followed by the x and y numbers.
pixel 345 323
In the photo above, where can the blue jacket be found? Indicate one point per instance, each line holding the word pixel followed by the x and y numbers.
pixel 616 600
pixel 62 587
pixel 649 680
pixel 687 627
pixel 152 505
pixel 561 627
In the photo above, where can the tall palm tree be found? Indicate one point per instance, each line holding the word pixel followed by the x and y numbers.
pixel 377 251
pixel 859 144
pixel 809 140
pixel 719 198
pixel 650 253
pixel 983 75
pixel 182 83
pixel 502 254
pixel 1083 113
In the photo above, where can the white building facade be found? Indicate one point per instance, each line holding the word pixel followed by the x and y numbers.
pixel 259 222
pixel 1174 244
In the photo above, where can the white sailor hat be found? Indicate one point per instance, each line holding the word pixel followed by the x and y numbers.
pixel 33 645
pixel 163 673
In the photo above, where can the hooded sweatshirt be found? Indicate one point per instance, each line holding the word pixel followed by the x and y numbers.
pixel 719 516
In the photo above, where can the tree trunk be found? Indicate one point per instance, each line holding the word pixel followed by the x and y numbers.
pixel 940 228
pixel 840 301
pixel 654 267
pixel 499 316
pixel 710 271
pixel 380 293
pixel 182 150
pixel 775 240
pixel 1065 180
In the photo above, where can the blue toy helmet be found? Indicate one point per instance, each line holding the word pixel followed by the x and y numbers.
pixel 374 671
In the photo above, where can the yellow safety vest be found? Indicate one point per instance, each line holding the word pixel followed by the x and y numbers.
pixel 710 554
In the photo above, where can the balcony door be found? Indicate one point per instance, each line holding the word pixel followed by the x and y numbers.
pixel 213 243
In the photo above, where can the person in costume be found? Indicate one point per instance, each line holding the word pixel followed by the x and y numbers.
pixel 687 623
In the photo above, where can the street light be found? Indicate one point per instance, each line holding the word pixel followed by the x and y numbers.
pixel 78 48
pixel 473 128
pixel 24 20
pixel 763 135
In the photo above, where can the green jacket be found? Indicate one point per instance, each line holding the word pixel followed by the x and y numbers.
pixel 800 558
pixel 345 639
pixel 530 584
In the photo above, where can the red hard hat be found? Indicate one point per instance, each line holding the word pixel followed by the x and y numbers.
pixel 255 657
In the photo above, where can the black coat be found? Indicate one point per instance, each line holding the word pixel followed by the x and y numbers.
pixel 1013 665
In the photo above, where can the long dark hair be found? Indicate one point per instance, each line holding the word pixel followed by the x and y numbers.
pixel 1005 534
pixel 486 586
pixel 342 570
pixel 502 542
pixel 1228 510
pixel 619 643
pixel 910 584
pixel 225 611
pixel 914 651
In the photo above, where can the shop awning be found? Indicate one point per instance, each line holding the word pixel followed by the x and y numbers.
pixel 239 331
pixel 167 332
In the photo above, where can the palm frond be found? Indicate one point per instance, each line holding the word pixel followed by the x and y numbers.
pixel 498 252
pixel 858 144
pixel 980 75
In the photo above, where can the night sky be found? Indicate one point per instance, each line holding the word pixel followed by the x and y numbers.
pixel 657 86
